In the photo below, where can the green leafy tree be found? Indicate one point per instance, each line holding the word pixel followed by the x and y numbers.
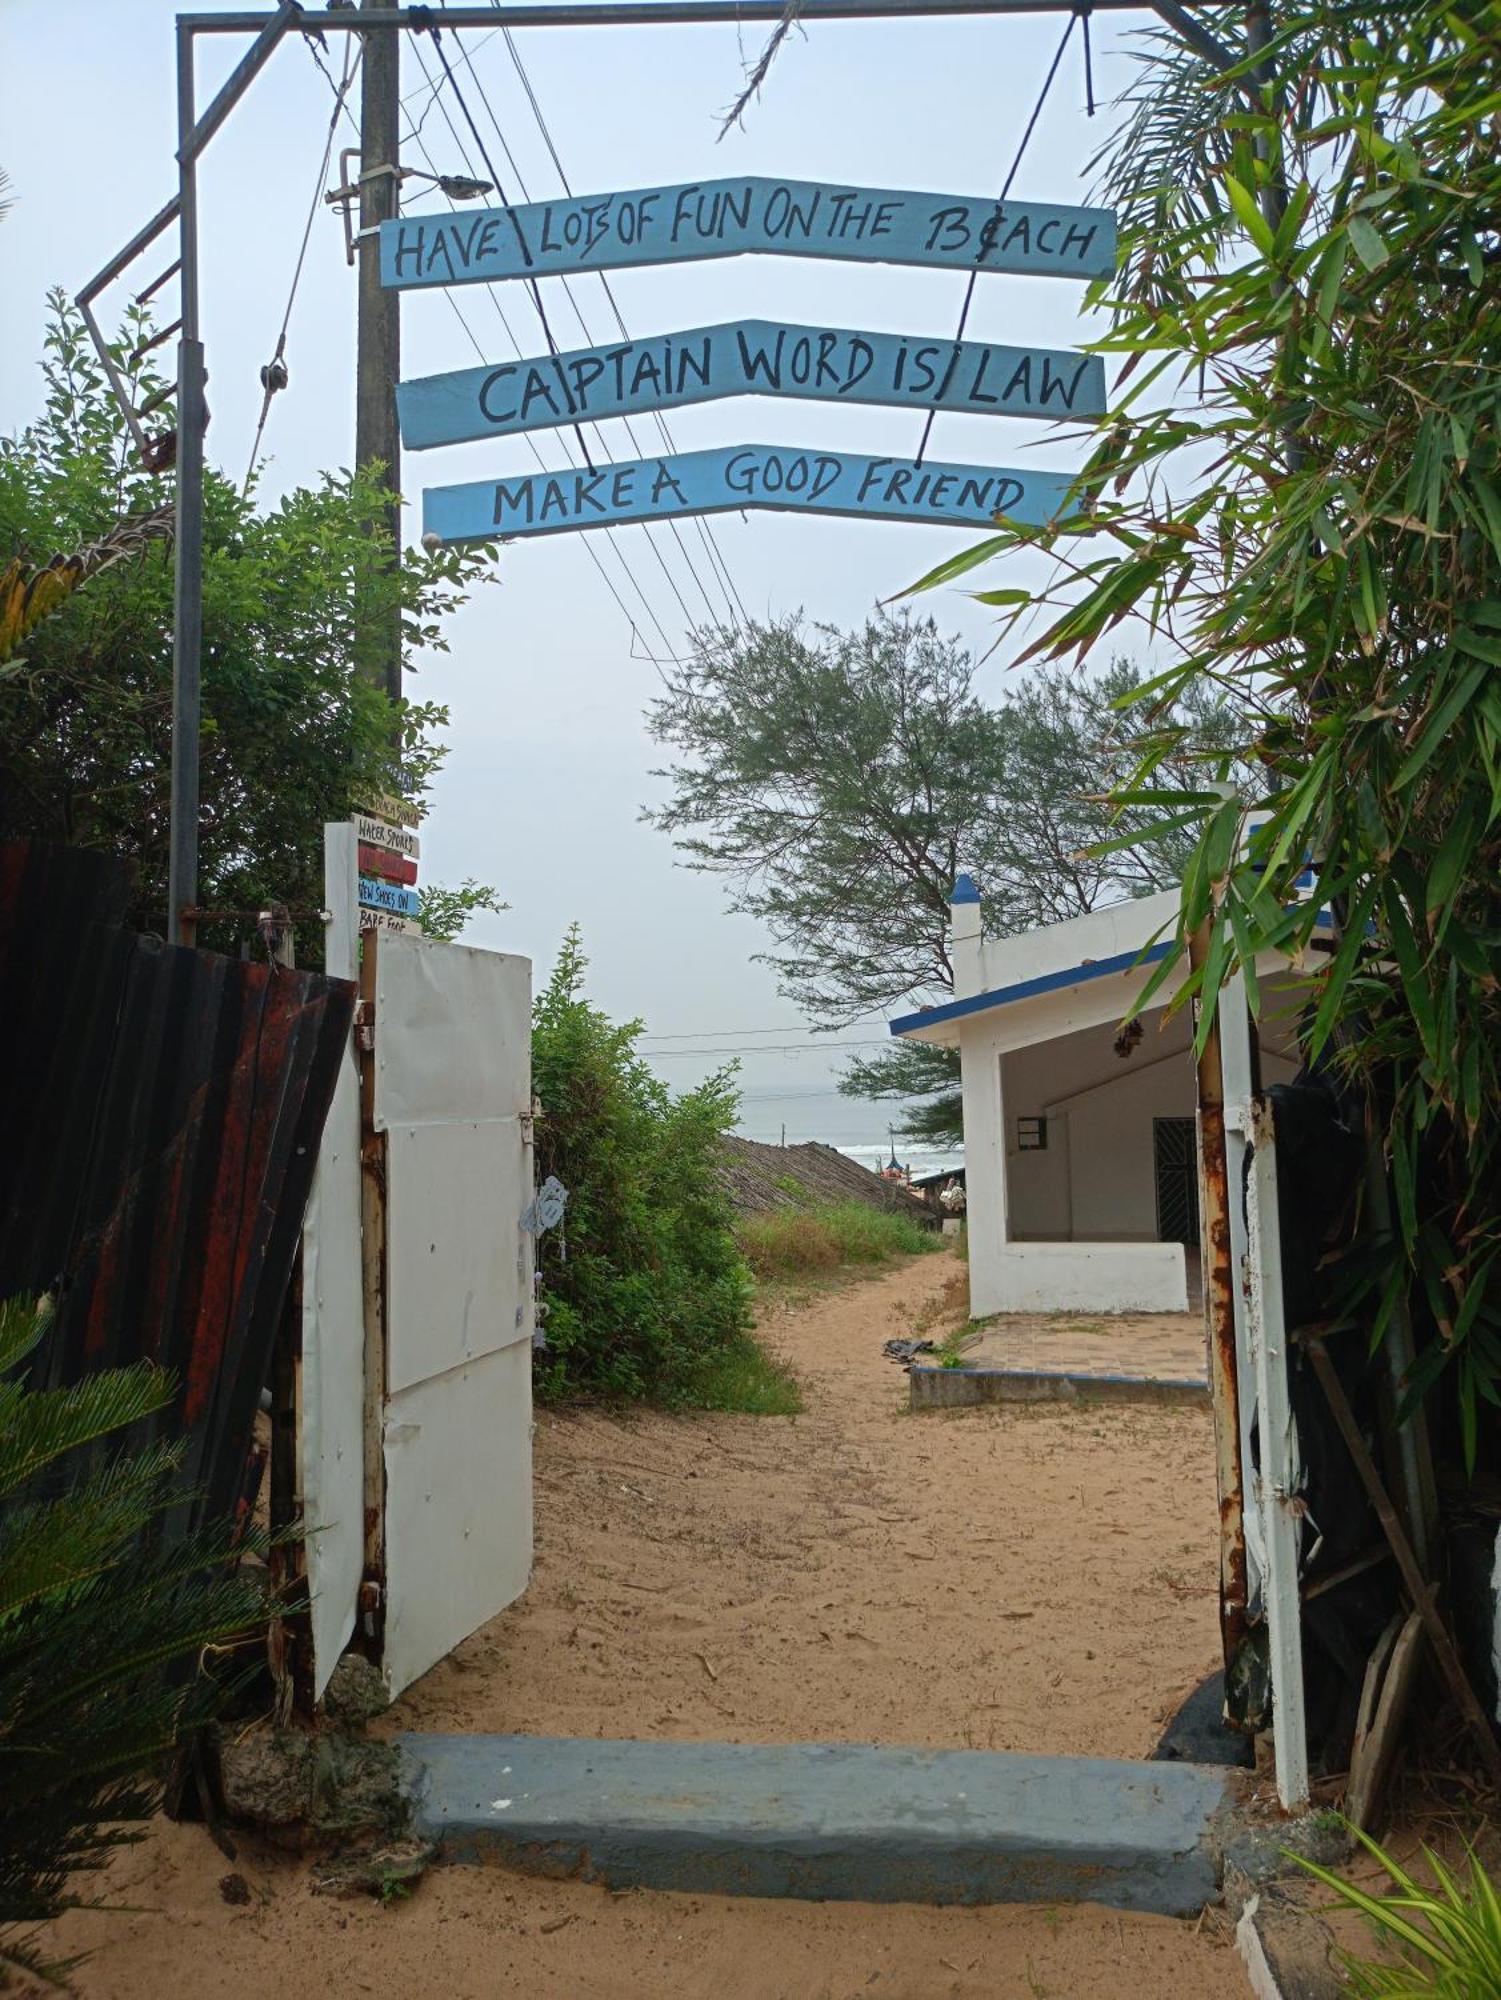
pixel 292 735
pixel 644 1285
pixel 840 781
pixel 1299 490
pixel 101 1626
pixel 445 911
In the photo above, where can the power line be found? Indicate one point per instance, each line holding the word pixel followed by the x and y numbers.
pixel 768 1049
pixel 526 256
pixel 434 88
pixel 588 540
pixel 274 374
pixel 672 526
pixel 706 532
pixel 584 328
pixel 669 649
pixel 988 235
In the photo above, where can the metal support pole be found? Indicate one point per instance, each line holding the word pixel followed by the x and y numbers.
pixel 1277 1472
pixel 187 602
pixel 378 344
pixel 652 13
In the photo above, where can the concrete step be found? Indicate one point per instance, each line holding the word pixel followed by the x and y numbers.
pixel 956 1388
pixel 825 1822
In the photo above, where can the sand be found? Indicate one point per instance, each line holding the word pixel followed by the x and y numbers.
pixel 999 1579
pixel 1004 1578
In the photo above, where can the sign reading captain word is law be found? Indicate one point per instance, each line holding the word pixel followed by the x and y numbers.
pixel 754 358
pixel 733 218
pixel 712 482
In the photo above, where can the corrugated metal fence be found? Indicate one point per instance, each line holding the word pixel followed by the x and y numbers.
pixel 160 1111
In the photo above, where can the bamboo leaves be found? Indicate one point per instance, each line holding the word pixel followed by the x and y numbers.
pixel 1313 378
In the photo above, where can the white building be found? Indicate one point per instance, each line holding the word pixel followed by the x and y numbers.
pixel 1080 1154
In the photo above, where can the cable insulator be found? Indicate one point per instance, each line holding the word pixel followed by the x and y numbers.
pixel 274 376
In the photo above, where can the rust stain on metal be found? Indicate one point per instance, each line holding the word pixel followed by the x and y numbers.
pixel 1219 1316
pixel 162 1110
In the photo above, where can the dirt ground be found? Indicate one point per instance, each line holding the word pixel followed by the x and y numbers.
pixel 1000 1578
pixel 1169 1346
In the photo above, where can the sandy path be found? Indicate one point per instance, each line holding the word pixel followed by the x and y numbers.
pixel 482 1933
pixel 1000 1578
pixel 1017 1578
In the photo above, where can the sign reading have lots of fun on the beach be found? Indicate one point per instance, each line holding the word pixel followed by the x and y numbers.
pixel 754 357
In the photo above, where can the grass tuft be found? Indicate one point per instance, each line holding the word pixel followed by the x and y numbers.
pixel 744 1378
pixel 810 1242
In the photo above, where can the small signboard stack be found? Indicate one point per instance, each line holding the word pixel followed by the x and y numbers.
pixel 388 850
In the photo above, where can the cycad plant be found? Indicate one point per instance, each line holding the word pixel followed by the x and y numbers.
pixel 103 1621
pixel 1448 1936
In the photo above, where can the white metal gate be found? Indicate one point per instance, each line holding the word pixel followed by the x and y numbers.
pixel 452 1101
pixel 417 1300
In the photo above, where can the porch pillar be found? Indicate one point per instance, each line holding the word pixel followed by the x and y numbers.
pixel 984 1171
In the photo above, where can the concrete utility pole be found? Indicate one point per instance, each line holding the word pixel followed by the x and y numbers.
pixel 378 362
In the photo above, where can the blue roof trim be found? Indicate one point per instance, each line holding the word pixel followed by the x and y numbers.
pixel 1028 989
pixel 965 891
pixel 1047 982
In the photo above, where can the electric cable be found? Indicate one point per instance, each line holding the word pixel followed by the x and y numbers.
pixel 987 239
pixel 274 374
pixel 588 334
pixel 705 529
pixel 424 19
pixel 644 527
pixel 434 89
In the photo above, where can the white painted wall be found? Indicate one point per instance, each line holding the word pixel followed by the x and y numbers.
pixel 1080 1277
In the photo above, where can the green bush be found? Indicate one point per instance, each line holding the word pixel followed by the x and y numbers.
pixel 810 1242
pixel 644 1286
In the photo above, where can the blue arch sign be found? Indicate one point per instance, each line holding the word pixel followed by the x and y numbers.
pixel 735 218
pixel 742 476
pixel 751 358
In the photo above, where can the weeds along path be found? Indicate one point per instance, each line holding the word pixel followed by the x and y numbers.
pixel 998 1578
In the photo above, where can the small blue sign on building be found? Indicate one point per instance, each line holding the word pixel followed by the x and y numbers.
pixel 751 358
pixel 378 895
pixel 743 476
pixel 735 218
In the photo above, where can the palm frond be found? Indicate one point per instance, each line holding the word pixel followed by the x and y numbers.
pixel 106 1616
pixel 28 595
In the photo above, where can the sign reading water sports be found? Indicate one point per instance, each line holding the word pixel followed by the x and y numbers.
pixel 733 218
pixel 711 482
pixel 755 357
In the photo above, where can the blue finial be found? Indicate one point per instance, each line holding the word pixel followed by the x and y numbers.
pixel 965 891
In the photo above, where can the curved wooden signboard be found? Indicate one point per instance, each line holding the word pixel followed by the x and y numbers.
pixel 752 358
pixel 735 218
pixel 742 476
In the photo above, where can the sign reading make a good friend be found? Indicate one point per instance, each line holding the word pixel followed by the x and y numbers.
pixel 711 482
pixel 733 218
pixel 753 358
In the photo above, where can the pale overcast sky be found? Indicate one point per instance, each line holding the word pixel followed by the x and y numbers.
pixel 550 761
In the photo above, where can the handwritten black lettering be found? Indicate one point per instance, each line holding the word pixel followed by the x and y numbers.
pixel 1061 387
pixel 664 479
pixel 487 390
pixel 514 500
pixel 948 229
